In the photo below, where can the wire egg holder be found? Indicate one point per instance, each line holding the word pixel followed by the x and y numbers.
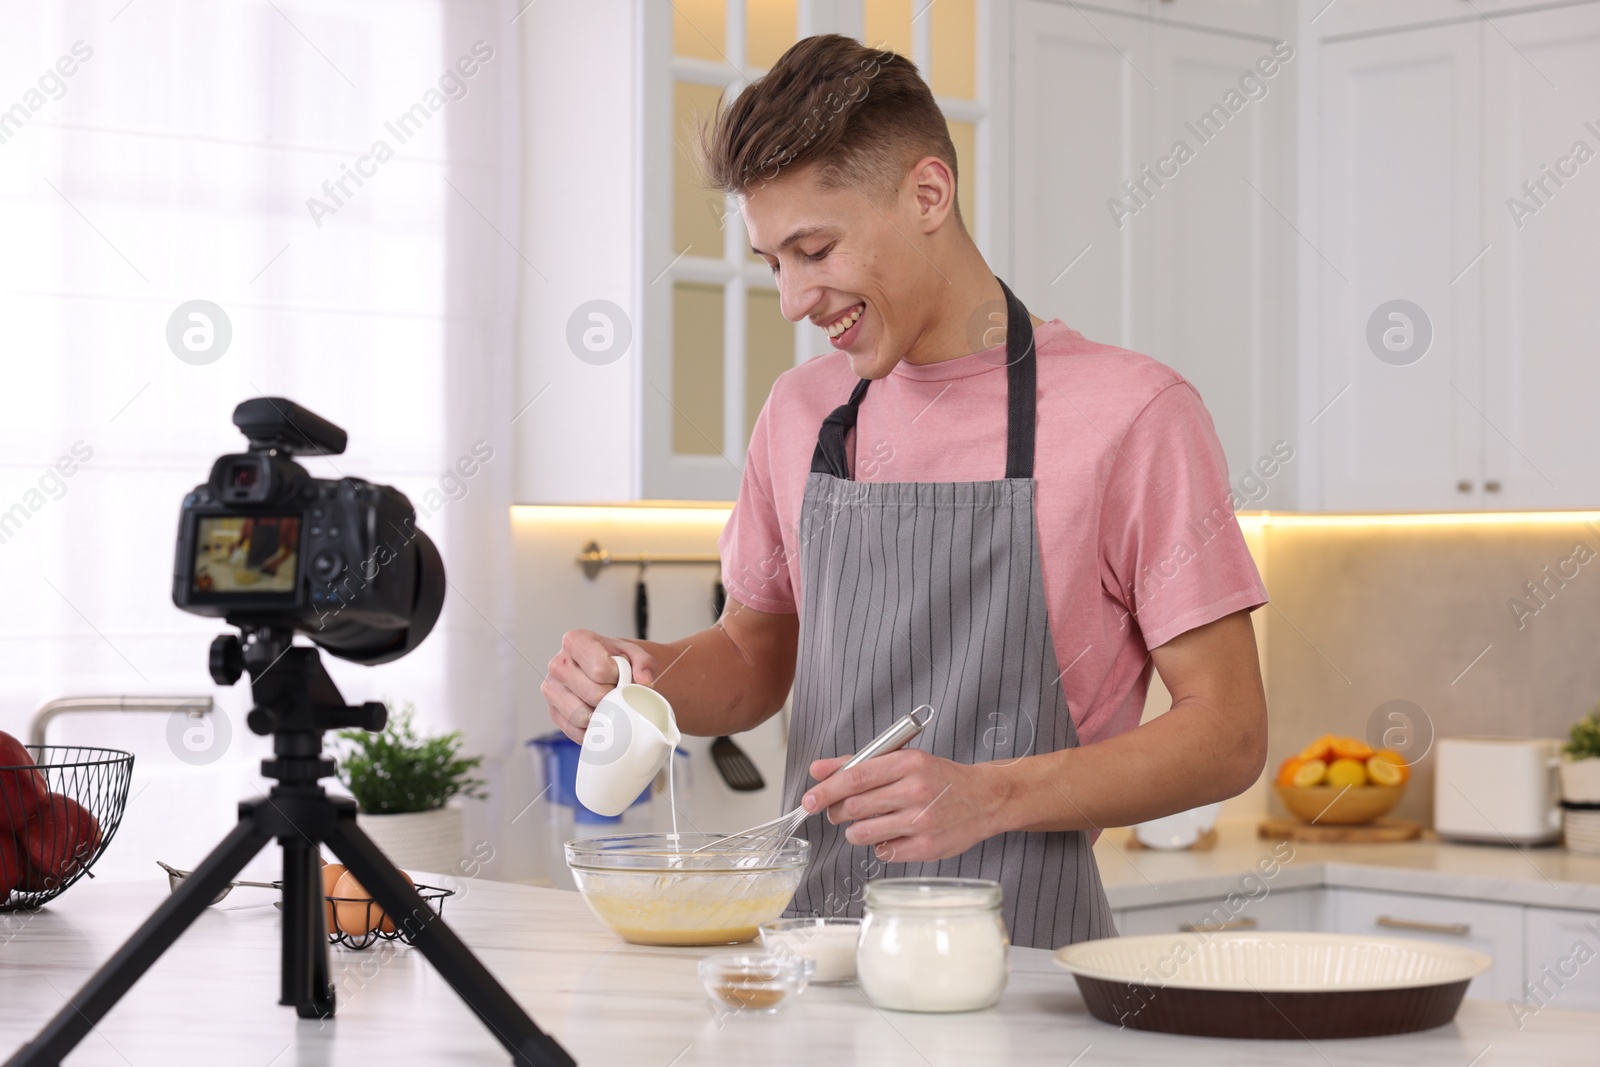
pixel 379 927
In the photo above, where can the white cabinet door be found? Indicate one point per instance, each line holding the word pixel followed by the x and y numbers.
pixel 1495 929
pixel 1282 909
pixel 1542 212
pixel 1208 300
pixel 1146 181
pixel 1080 97
pixel 1400 220
pixel 1561 963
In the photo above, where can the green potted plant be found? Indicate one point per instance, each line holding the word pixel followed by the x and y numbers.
pixel 1580 767
pixel 403 784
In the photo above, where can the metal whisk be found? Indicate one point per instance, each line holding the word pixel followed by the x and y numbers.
pixel 770 836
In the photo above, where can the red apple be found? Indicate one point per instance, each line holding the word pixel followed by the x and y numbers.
pixel 57 843
pixel 22 788
pixel 10 865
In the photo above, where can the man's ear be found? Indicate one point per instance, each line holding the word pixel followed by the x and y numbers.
pixel 934 189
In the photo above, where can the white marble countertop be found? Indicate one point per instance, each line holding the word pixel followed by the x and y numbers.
pixel 213 1000
pixel 1547 876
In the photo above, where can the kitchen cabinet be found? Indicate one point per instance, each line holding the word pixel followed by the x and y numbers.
pixel 1148 182
pixel 1281 909
pixel 1450 175
pixel 1561 959
pixel 1344 266
pixel 1495 929
pixel 1400 146
pixel 1542 207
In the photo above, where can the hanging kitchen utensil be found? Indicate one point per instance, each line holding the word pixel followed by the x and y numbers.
pixel 736 766
pixel 733 763
pixel 641 606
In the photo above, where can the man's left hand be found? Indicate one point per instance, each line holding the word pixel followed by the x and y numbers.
pixel 910 805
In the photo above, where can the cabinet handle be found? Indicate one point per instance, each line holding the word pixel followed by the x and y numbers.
pixel 1463 486
pixel 1213 928
pixel 1491 486
pixel 1453 929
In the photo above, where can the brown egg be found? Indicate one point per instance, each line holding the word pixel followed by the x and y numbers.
pixel 357 917
pixel 331 873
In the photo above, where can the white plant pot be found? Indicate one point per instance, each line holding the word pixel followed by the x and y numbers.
pixel 418 841
pixel 1580 780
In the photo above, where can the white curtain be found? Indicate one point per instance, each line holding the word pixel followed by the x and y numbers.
pixel 159 152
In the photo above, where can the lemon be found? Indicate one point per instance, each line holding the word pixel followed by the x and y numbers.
pixel 1389 755
pixel 1384 772
pixel 1346 771
pixel 1309 773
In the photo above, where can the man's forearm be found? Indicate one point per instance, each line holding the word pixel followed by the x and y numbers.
pixel 714 686
pixel 1188 757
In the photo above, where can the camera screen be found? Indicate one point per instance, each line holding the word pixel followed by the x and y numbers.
pixel 254 555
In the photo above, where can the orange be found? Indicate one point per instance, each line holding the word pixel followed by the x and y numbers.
pixel 1389 755
pixel 1321 748
pixel 1309 773
pixel 1351 748
pixel 1382 772
pixel 1286 770
pixel 1346 771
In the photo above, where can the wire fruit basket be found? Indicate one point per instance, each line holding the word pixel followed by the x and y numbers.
pixel 359 922
pixel 57 815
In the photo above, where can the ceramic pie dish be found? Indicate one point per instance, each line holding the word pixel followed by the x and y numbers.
pixel 1272 985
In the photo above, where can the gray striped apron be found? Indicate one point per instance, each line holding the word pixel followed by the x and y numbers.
pixel 930 593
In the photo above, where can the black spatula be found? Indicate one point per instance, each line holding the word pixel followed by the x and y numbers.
pixel 735 766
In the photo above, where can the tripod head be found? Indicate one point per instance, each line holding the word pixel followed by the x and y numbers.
pixel 295 699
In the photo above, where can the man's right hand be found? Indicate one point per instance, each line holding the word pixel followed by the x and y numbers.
pixel 723 680
pixel 582 673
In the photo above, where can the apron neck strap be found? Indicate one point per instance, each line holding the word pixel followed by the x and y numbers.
pixel 1022 378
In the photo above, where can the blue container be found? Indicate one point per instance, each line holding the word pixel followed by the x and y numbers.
pixel 557 755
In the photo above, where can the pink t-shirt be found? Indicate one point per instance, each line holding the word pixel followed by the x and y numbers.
pixel 1137 538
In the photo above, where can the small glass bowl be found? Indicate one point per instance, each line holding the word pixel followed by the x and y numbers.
pixel 829 942
pixel 754 984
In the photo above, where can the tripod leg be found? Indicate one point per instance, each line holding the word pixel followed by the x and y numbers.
pixel 529 1046
pixel 305 939
pixel 107 985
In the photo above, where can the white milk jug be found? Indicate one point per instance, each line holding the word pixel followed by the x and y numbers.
pixel 628 741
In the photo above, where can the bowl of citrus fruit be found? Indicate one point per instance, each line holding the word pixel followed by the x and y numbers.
pixel 1341 781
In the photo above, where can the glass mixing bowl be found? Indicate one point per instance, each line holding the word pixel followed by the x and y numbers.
pixel 654 889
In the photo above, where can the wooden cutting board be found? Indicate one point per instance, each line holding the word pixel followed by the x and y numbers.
pixel 1379 830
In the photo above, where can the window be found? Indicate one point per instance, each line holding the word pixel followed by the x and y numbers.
pixel 707 375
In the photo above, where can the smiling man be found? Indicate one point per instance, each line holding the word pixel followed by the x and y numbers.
pixel 1013 524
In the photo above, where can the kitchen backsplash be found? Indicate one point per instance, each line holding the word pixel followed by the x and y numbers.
pixel 1481 626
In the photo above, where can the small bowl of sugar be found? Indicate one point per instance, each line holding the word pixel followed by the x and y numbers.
pixel 828 942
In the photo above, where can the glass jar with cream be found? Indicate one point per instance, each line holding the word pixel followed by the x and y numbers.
pixel 932 944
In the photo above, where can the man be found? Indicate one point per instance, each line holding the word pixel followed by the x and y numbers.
pixel 1012 524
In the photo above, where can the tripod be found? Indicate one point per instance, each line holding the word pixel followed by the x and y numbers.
pixel 295 701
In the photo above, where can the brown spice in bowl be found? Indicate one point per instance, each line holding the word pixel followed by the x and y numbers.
pixel 747 993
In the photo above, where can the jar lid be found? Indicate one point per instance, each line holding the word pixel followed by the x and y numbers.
pixel 933 894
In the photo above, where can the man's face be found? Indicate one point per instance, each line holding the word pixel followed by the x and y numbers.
pixel 845 259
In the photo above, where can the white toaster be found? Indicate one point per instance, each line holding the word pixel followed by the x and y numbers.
pixel 1501 790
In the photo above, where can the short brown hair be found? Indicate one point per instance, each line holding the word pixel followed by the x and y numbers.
pixel 862 115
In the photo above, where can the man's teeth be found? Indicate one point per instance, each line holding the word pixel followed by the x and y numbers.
pixel 845 323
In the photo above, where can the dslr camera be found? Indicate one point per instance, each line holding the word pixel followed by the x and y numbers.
pixel 263 543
